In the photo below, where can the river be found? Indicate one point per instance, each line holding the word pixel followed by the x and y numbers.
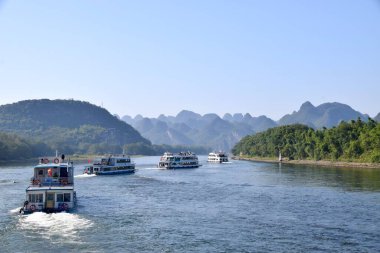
pixel 241 206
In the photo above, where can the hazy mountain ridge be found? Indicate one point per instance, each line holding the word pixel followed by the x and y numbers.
pixel 377 117
pixel 211 130
pixel 189 128
pixel 324 115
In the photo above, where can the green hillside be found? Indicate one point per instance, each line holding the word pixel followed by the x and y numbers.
pixel 349 141
pixel 12 147
pixel 68 126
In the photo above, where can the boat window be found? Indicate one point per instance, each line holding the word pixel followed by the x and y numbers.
pixel 50 196
pixel 35 198
pixel 63 172
pixel 66 197
pixel 59 197
pixel 40 172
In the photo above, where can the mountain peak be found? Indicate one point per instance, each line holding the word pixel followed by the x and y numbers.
pixel 186 115
pixel 377 117
pixel 138 117
pixel 238 117
pixel 247 116
pixel 307 105
pixel 228 117
pixel 324 115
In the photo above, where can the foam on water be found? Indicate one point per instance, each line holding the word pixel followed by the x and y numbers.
pixel 15 211
pixel 85 175
pixel 152 168
pixel 63 224
pixel 7 182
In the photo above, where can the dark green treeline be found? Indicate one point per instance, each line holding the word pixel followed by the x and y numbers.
pixel 349 141
pixel 13 147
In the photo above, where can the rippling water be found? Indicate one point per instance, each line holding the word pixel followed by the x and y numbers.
pixel 236 207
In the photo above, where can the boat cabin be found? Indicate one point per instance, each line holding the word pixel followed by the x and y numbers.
pixel 53 174
pixel 51 188
pixel 110 165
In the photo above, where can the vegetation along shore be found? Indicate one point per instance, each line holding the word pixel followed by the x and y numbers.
pixel 350 144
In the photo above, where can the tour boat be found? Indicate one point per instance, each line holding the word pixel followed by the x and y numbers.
pixel 51 188
pixel 110 166
pixel 217 157
pixel 178 161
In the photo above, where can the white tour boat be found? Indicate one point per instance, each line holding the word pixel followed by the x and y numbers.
pixel 178 161
pixel 51 188
pixel 110 166
pixel 217 157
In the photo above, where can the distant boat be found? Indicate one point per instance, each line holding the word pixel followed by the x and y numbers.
pixel 178 161
pixel 110 166
pixel 51 187
pixel 217 157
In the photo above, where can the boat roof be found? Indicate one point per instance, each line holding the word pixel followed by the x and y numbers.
pixel 48 165
pixel 114 156
pixel 44 188
pixel 53 161
pixel 179 154
pixel 217 153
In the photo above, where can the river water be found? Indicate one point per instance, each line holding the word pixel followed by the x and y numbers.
pixel 237 207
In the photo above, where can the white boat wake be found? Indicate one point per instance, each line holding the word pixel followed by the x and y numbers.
pixel 7 182
pixel 15 211
pixel 85 175
pixel 65 225
pixel 152 168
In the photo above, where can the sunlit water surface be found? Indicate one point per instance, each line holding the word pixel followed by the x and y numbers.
pixel 235 207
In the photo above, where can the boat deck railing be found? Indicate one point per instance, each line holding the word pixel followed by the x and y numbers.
pixel 62 181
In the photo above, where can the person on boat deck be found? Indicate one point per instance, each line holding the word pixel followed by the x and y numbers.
pixel 50 172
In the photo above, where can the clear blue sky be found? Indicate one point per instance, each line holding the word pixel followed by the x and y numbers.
pixel 152 57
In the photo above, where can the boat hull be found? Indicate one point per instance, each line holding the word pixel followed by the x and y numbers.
pixel 48 200
pixel 49 210
pixel 116 172
pixel 179 167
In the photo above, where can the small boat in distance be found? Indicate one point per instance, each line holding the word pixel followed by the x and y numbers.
pixel 51 188
pixel 110 166
pixel 181 160
pixel 217 157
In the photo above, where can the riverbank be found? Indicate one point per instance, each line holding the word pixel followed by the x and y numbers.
pixel 322 163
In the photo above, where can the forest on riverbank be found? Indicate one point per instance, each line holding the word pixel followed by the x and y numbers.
pixel 353 141
pixel 14 147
